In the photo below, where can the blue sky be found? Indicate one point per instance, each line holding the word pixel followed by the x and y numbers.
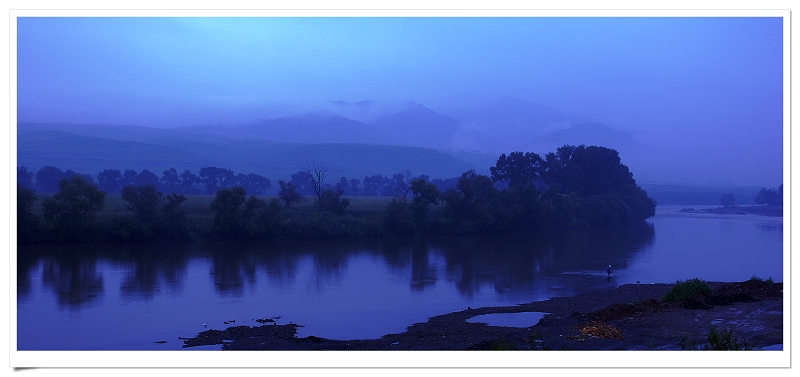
pixel 710 86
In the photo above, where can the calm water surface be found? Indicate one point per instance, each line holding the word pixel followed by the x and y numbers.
pixel 128 297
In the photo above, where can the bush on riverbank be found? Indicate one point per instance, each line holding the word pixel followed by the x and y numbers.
pixel 685 290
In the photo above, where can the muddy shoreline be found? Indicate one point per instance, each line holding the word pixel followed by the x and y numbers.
pixel 628 317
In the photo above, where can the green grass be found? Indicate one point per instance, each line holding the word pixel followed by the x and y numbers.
pixel 683 290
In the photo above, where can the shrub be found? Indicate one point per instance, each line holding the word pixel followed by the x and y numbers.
pixel 332 201
pixel 724 340
pixel 686 289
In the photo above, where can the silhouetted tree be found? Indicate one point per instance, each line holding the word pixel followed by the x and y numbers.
pixel 518 169
pixel 288 193
pixel 215 178
pixel 355 187
pixel 73 206
pixel 727 200
pixel 253 183
pixel 188 179
pixel 343 186
pixel 24 177
pixel 466 203
pixel 317 173
pixel 69 173
pixel 332 201
pixel 129 178
pixel 377 185
pixel 235 215
pixel 770 197
pixel 48 177
pixel 302 183
pixel 171 181
pixel 146 177
pixel 425 195
pixel 108 180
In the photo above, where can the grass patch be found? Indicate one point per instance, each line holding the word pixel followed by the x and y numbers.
pixel 719 339
pixel 725 340
pixel 683 290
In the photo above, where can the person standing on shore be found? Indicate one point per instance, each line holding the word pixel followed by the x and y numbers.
pixel 608 270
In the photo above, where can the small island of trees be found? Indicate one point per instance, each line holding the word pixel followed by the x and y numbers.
pixel 571 188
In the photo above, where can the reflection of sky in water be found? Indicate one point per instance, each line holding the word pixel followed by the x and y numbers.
pixel 714 249
pixel 524 319
pixel 365 289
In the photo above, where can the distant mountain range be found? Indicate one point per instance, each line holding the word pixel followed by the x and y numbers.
pixel 353 139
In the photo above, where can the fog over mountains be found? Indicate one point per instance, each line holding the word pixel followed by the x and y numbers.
pixel 353 139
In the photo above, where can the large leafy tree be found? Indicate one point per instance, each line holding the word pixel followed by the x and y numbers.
pixel 253 183
pixel 47 178
pixel 171 181
pixel 236 216
pixel 108 180
pixel 129 178
pixel 188 179
pixel 146 177
pixel 518 169
pixel 302 182
pixel 73 206
pixel 215 178
pixel 770 196
pixel 377 185
pixel 466 204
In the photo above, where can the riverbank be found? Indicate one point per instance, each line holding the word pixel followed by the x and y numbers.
pixel 769 211
pixel 628 317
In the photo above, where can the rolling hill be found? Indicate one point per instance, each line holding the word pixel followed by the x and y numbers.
pixel 91 155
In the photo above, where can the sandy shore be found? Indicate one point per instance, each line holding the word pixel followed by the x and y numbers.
pixel 628 317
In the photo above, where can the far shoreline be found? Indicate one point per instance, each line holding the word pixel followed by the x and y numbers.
pixel 755 210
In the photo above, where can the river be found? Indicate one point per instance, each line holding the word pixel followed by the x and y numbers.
pixel 145 296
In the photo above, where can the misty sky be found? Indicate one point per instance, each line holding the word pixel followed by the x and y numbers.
pixel 709 90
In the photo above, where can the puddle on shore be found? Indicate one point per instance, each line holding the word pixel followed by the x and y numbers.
pixel 524 319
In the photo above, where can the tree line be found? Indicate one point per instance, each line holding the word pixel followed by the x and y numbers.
pixel 210 179
pixel 770 197
pixel 574 187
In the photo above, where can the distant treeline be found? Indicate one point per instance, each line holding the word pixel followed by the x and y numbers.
pixel 210 179
pixel 574 187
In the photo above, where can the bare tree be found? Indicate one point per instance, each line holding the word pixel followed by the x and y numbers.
pixel 402 184
pixel 317 172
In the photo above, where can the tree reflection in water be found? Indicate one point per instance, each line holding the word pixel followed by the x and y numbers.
pixel 504 262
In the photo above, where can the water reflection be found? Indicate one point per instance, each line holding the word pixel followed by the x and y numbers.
pixel 74 278
pixel 149 292
pixel 504 263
